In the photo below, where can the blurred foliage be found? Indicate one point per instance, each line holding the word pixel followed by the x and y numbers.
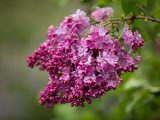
pixel 22 28
pixel 128 6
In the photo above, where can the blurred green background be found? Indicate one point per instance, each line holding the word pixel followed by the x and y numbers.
pixel 23 26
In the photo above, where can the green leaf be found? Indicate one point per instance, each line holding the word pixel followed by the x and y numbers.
pixel 131 104
pixel 157 28
pixel 126 76
pixel 143 2
pixel 156 9
pixel 128 6
pixel 134 83
pixel 101 3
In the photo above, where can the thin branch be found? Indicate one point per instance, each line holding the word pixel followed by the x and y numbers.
pixel 132 18
pixel 148 18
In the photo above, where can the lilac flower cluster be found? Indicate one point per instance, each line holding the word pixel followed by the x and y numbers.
pixel 83 66
pixel 133 40
pixel 101 14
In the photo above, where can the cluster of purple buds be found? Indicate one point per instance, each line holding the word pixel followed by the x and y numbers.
pixel 84 61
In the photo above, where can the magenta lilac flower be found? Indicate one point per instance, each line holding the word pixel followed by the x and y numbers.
pixel 101 14
pixel 134 40
pixel 83 61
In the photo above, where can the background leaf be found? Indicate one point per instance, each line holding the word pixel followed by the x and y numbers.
pixel 128 6
pixel 143 2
